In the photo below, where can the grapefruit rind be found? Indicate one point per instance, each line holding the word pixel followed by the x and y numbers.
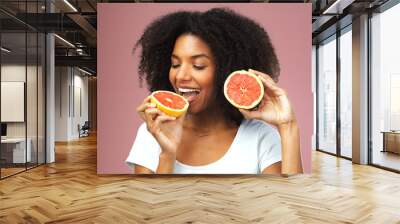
pixel 167 110
pixel 256 102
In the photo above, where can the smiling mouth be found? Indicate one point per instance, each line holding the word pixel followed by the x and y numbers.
pixel 189 94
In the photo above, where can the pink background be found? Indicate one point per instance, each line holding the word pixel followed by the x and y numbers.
pixel 120 26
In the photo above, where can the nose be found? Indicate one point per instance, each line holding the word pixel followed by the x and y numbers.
pixel 184 73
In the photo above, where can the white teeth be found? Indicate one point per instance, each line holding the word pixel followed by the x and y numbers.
pixel 182 90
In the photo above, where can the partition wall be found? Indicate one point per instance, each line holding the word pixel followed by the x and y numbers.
pixel 23 87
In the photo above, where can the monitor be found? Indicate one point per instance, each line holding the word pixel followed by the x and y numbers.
pixel 3 129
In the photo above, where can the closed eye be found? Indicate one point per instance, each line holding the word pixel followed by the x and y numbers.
pixel 175 66
pixel 199 67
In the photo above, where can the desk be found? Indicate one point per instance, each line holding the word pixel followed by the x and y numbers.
pixel 391 141
pixel 15 148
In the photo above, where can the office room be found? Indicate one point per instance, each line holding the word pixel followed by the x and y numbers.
pixel 136 111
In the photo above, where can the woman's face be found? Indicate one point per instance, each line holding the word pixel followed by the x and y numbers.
pixel 192 71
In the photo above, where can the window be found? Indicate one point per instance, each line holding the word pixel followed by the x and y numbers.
pixel 385 88
pixel 327 95
pixel 346 92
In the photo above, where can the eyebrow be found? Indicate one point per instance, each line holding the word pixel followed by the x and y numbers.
pixel 194 56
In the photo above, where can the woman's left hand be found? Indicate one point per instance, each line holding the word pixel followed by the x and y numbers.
pixel 275 107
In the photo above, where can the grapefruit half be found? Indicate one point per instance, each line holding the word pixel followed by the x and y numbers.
pixel 243 89
pixel 170 103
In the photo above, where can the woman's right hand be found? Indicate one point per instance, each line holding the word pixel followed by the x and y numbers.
pixel 166 130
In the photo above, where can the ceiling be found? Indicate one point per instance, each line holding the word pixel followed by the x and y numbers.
pixel 76 22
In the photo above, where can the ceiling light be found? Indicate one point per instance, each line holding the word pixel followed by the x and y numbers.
pixel 5 49
pixel 84 71
pixel 338 6
pixel 329 9
pixel 70 5
pixel 64 40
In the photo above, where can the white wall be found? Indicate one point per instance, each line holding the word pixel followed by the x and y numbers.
pixel 12 73
pixel 62 81
pixel 12 101
pixel 71 92
pixel 79 117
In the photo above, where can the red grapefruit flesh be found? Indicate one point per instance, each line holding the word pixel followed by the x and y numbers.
pixel 170 103
pixel 243 89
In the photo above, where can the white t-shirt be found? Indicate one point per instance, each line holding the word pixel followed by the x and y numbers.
pixel 256 146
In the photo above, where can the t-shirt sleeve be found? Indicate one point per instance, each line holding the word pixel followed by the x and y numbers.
pixel 269 148
pixel 145 150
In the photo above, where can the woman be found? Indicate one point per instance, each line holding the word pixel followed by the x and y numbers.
pixel 198 50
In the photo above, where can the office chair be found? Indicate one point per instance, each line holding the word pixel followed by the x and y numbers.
pixel 84 130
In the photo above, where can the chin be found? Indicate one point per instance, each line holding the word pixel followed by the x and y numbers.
pixel 195 109
pixel 192 111
pixel 199 106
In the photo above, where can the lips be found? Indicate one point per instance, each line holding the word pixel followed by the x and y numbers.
pixel 190 94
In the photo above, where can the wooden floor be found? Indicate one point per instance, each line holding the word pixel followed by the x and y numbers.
pixel 70 191
pixel 5 172
pixel 388 159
